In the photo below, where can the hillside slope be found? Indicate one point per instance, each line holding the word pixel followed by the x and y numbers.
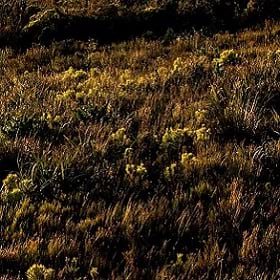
pixel 23 22
pixel 144 159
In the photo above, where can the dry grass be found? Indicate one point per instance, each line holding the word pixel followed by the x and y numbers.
pixel 142 159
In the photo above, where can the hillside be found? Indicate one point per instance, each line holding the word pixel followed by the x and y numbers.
pixel 23 22
pixel 152 156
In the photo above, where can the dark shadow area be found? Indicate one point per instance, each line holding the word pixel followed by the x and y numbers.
pixel 114 28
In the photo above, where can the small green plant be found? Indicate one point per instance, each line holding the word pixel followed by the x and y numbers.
pixel 74 75
pixel 200 116
pixel 120 136
pixel 186 158
pixel 52 121
pixel 170 171
pixel 227 57
pixel 133 170
pixel 202 134
pixel 175 137
pixel 12 191
pixel 93 273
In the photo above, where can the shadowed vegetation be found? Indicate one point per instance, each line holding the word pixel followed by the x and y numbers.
pixel 25 21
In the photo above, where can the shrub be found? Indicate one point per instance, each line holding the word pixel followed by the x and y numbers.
pixel 39 272
pixel 227 57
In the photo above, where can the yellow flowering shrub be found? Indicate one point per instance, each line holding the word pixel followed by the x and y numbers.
pixel 133 170
pixel 52 120
pixel 173 136
pixel 11 181
pixel 200 116
pixel 178 65
pixel 11 188
pixel 72 74
pixel 274 55
pixel 186 158
pixel 226 57
pixel 40 272
pixel 202 134
pixel 120 136
pixel 169 171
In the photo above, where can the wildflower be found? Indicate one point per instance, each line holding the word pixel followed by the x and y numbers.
pixel 14 195
pixel 141 80
pixel 80 95
pixel 39 272
pixel 57 119
pixel 72 74
pixel 228 55
pixel 80 74
pixel 125 78
pixel 25 183
pixel 11 188
pixel 141 169
pixel 52 121
pixel 274 55
pixel 94 72
pixel 66 95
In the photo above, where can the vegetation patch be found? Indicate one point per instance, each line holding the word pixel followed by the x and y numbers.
pixel 143 158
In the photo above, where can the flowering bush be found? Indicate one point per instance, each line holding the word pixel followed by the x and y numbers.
pixel 39 272
pixel 227 57
pixel 133 170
